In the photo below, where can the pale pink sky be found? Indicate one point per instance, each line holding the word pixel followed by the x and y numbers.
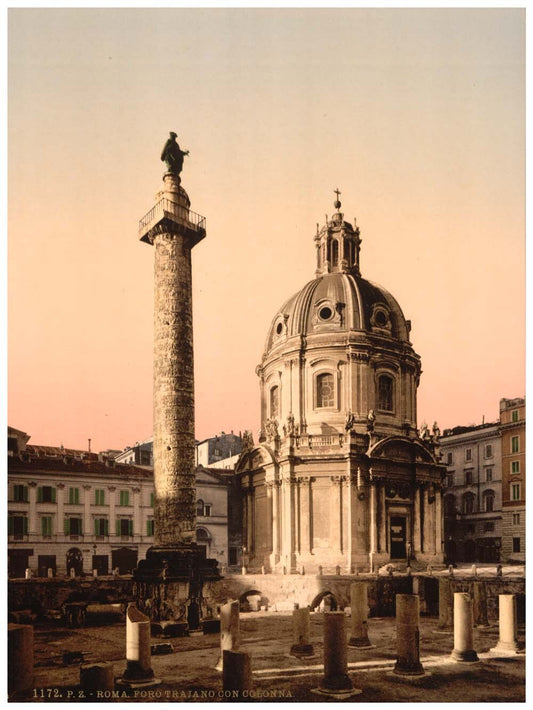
pixel 416 115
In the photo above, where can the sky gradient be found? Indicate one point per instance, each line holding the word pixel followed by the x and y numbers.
pixel 417 116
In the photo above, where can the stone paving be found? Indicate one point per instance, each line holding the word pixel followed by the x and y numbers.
pixel 188 673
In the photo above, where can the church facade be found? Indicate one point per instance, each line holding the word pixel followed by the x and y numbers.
pixel 340 476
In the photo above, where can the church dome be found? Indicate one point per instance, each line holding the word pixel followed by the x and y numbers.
pixel 335 303
pixel 338 350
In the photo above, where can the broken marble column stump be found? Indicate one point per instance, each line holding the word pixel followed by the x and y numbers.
pixel 463 629
pixel 301 628
pixel 95 677
pixel 236 672
pixel 507 644
pixel 336 682
pixel 229 630
pixel 408 636
pixel 20 661
pixel 138 671
pixel 359 609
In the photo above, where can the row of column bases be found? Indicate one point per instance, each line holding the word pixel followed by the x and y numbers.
pixel 236 666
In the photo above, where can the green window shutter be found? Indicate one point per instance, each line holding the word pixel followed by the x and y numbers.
pixel 151 500
pixel 96 527
pixel 118 527
pixel 24 525
pixel 53 495
pixel 43 526
pixel 81 527
pixel 70 496
pixel 106 526
pixel 130 527
pixel 40 494
pixel 67 526
pixel 148 527
pixel 25 494
pixel 10 525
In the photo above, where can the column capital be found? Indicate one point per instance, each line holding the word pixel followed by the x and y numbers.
pixel 87 487
pixel 60 486
pixel 112 489
pixel 32 484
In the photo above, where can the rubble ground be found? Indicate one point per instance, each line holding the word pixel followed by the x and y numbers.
pixel 188 673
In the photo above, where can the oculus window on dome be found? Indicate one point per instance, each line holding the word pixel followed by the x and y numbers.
pixel 325 313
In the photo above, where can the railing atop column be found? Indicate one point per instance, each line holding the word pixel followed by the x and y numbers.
pixel 165 208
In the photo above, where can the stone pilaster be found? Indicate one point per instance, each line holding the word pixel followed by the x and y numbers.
pixel 112 515
pixel 438 521
pixel 137 519
pixel 373 517
pixel 60 499
pixel 382 519
pixel 88 529
pixel 32 521
pixel 417 527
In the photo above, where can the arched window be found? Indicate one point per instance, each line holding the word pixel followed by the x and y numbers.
pixel 274 402
pixel 488 501
pixel 325 390
pixel 202 535
pixel 468 503
pixel 335 253
pixel 200 507
pixel 385 393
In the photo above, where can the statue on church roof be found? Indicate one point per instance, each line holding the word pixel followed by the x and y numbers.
pixel 173 155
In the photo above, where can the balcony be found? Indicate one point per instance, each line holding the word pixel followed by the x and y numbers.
pixel 175 215
pixel 320 441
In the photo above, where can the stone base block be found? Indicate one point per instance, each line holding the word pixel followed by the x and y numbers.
pixel 393 675
pixel 337 694
pixel 506 649
pixel 20 661
pixel 97 676
pixel 136 684
pixel 360 644
pixel 464 656
pixel 302 650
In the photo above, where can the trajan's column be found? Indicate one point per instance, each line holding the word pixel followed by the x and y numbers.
pixel 173 229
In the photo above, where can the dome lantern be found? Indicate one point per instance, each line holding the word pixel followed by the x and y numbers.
pixel 338 244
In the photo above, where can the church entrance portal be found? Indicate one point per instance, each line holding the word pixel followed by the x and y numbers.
pixel 398 528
